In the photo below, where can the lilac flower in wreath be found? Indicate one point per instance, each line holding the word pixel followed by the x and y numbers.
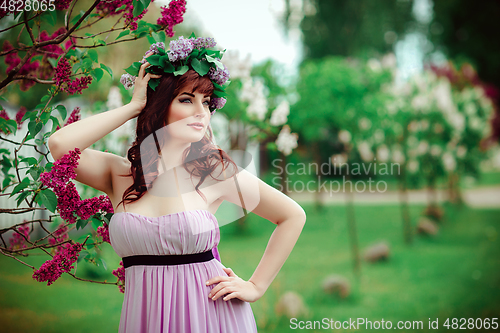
pixel 204 42
pixel 217 104
pixel 154 47
pixel 220 76
pixel 180 49
pixel 127 80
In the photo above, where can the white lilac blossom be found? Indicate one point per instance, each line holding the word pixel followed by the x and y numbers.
pixel 286 141
pixel 374 65
pixel 461 151
pixel 345 136
pixel 239 68
pixel 383 153
pixel 379 136
pixel 423 147
pixel 154 48
pixel 398 156
pixel 449 161
pixel 253 93
pixel 435 150
pixel 443 96
pixel 127 80
pixel 364 124
pixel 412 166
pixel 338 159
pixel 365 151
pixel 114 98
pixel 280 114
pixel 204 42
pixel 389 61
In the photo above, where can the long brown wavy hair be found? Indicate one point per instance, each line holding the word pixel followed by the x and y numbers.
pixel 144 169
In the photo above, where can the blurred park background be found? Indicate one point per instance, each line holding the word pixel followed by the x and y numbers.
pixel 381 118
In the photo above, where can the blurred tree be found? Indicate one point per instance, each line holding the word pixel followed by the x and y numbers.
pixel 349 28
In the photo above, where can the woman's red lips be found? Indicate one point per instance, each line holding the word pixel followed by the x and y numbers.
pixel 196 125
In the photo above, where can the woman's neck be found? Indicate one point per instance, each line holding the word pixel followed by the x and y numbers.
pixel 171 155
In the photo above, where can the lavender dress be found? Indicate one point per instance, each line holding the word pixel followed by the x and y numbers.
pixel 174 298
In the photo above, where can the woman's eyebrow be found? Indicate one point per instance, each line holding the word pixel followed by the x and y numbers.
pixel 186 93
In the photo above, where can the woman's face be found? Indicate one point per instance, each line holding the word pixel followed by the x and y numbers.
pixel 189 116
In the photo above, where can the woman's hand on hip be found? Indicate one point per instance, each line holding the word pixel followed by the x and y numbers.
pixel 139 98
pixel 233 286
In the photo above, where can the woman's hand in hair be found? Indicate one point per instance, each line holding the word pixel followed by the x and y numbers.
pixel 139 97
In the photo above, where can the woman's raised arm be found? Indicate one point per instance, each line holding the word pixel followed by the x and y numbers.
pixel 95 167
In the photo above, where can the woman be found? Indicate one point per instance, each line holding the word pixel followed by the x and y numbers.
pixel 164 226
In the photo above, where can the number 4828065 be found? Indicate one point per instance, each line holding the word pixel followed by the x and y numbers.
pixel 10 6
pixel 479 323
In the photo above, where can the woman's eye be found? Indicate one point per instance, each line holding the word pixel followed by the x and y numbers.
pixel 206 102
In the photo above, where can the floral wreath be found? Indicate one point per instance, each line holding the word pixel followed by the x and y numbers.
pixel 184 54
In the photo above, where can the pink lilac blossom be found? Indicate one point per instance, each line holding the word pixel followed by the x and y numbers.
pixel 220 76
pixel 17 241
pixel 77 85
pixel 59 236
pixel 19 116
pixel 4 115
pixel 63 4
pixel 103 231
pixel 61 263
pixel 69 204
pixel 108 8
pixel 74 116
pixel 120 274
pixel 63 71
pixel 172 15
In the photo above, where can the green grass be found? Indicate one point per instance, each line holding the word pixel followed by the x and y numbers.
pixel 454 274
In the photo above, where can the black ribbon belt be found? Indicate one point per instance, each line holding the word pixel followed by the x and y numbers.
pixel 172 259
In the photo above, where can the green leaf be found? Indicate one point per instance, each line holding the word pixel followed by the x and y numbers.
pixel 150 39
pixel 49 199
pixel 28 115
pixel 34 127
pixel 138 8
pixel 201 67
pixel 77 17
pixel 123 33
pixel 158 38
pixel 166 64
pixel 44 117
pixel 97 73
pixel 80 224
pixel 51 17
pixel 107 69
pixel 62 111
pixel 182 70
pixel 120 8
pixel 215 61
pixel 86 64
pixel 104 264
pixel 100 42
pixel 28 160
pixel 93 55
pixel 154 59
pixel 21 186
pixel 21 197
pixel 134 68
pixel 52 62
pixel 192 35
pixel 153 83
pixel 96 222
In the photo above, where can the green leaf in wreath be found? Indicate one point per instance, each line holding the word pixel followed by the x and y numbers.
pixel 182 70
